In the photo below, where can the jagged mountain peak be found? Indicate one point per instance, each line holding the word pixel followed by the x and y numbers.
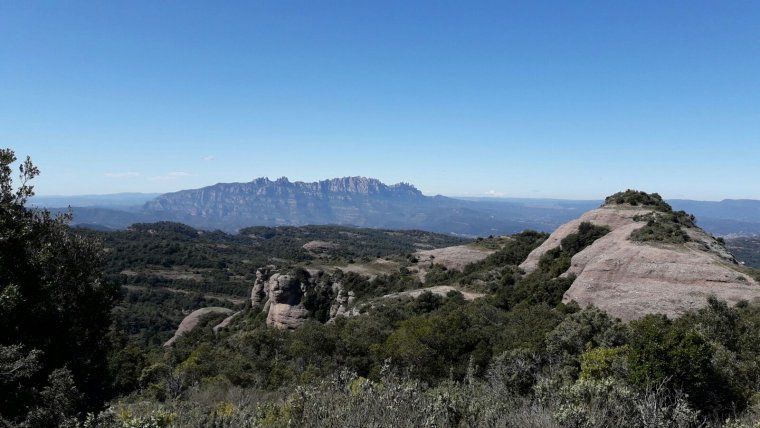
pixel 353 184
pixel 358 201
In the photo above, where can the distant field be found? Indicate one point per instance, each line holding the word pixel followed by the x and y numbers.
pixel 746 250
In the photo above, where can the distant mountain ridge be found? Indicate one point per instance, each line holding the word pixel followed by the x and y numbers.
pixel 365 202
pixel 355 201
pixel 206 200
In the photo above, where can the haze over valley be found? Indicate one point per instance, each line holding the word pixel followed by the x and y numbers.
pixel 488 214
pixel 364 202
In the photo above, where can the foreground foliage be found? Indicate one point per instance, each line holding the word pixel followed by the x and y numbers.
pixel 54 312
pixel 586 370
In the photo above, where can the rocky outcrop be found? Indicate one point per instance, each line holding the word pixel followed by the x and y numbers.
pixel 260 289
pixel 343 301
pixel 225 322
pixel 191 321
pixel 630 279
pixel 281 296
pixel 286 308
pixel 455 257
pixel 613 218
pixel 318 246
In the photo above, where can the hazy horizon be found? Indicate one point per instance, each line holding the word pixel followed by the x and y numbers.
pixel 474 196
pixel 540 100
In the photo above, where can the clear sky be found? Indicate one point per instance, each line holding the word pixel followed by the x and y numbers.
pixel 532 99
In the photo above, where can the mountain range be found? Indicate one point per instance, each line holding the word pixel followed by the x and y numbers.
pixel 365 202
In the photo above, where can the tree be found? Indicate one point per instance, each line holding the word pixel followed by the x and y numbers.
pixel 677 353
pixel 54 309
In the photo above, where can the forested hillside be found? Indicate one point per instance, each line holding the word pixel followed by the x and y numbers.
pixel 334 326
pixel 167 269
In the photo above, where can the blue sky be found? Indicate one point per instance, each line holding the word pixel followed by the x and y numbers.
pixel 529 99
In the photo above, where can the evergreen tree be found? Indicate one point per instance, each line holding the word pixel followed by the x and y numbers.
pixel 54 309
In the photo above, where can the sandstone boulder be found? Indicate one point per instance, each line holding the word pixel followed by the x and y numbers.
pixel 281 296
pixel 343 301
pixel 225 322
pixel 320 246
pixel 630 279
pixel 191 321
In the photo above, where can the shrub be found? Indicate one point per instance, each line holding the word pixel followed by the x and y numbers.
pixel 676 354
pixel 600 363
pixel 587 329
pixel 664 227
pixel 514 371
pixel 55 310
pixel 557 260
pixel 638 198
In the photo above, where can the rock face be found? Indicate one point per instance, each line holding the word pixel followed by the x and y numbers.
pixel 355 201
pixel 343 300
pixel 191 321
pixel 456 257
pixel 438 290
pixel 283 295
pixel 318 246
pixel 225 322
pixel 350 200
pixel 630 279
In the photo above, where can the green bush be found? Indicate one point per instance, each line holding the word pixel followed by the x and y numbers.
pixel 675 353
pixel 664 227
pixel 600 363
pixel 55 310
pixel 557 260
pixel 638 198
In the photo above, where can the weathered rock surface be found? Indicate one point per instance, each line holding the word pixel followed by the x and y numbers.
pixel 191 321
pixel 455 257
pixel 284 299
pixel 286 309
pixel 343 300
pixel 439 290
pixel 225 322
pixel 320 246
pixel 613 218
pixel 281 297
pixel 630 279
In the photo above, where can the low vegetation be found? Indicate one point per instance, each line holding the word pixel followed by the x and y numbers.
pixel 518 357
pixel 662 225
pixel 166 270
pixel 638 198
pixel 446 362
pixel 666 227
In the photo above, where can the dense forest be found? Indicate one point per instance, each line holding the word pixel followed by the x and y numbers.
pixel 84 314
